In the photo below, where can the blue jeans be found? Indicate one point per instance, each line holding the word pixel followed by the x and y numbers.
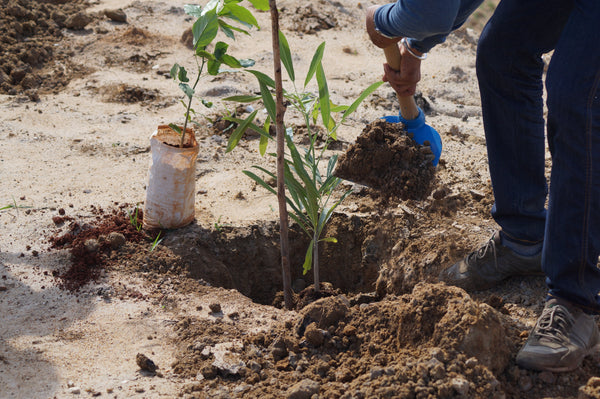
pixel 510 73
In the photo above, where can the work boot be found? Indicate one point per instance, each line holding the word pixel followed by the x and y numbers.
pixel 561 338
pixel 490 265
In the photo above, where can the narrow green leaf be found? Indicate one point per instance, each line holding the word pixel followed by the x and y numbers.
pixel 324 101
pixel 237 134
pixel 260 181
pixel 262 145
pixel 182 75
pixel 242 99
pixel 308 258
pixel 227 29
pixel 286 56
pixel 360 99
pixel 175 128
pixel 268 99
pixel 329 239
pixel 262 78
pixel 317 57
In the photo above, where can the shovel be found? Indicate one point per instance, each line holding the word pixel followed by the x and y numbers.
pixel 410 114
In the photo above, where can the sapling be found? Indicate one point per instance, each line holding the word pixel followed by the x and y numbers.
pixel 211 18
pixel 309 191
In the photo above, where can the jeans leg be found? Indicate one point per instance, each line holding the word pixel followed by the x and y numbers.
pixel 572 239
pixel 509 70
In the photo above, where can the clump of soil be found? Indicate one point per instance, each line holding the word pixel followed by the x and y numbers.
pixel 90 245
pixel 437 342
pixel 306 19
pixel 388 160
pixel 28 32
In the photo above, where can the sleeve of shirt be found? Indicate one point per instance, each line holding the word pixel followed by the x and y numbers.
pixel 425 23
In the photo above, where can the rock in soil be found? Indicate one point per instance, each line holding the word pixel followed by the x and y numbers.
pixel 145 363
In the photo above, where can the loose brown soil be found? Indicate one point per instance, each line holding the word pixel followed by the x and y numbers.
pixel 388 160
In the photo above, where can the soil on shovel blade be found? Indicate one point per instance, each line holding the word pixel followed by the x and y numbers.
pixel 387 159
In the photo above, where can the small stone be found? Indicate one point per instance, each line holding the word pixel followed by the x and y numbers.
pixel 314 335
pixel 117 15
pixel 304 389
pixel 3 288
pixel 145 363
pixel 215 307
pixel 70 384
pixel 116 240
pixel 74 390
pixel 460 385
pixel 91 245
pixel 78 21
pixel 376 373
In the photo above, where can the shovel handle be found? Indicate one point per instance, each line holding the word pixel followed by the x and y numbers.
pixel 408 106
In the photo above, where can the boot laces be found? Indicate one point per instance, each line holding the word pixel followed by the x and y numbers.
pixel 554 324
pixel 480 253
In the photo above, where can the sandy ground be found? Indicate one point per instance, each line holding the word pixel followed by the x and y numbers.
pixel 81 149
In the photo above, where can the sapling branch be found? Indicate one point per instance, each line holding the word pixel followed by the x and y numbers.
pixel 190 98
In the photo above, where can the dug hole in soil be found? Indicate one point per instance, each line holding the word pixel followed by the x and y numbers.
pixel 384 327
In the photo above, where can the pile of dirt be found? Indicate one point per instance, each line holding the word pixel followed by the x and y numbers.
pixel 387 159
pixel 30 31
pixel 363 350
pixel 91 245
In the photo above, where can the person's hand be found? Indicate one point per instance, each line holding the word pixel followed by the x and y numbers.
pixel 378 39
pixel 404 81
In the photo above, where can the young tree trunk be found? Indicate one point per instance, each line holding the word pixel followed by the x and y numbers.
pixel 280 129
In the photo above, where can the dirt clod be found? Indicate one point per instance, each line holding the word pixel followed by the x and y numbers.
pixel 145 363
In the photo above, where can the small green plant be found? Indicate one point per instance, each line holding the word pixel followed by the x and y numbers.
pixel 134 218
pixel 309 190
pixel 211 18
pixel 156 241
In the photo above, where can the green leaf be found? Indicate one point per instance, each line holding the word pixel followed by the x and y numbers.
pixel 260 181
pixel 212 67
pixel 205 29
pixel 286 56
pixel 189 92
pixel 240 14
pixel 317 57
pixel 182 75
pixel 262 78
pixel 239 131
pixel 220 50
pixel 227 29
pixel 261 5
pixel 323 96
pixel 201 52
pixel 207 104
pixel 360 99
pixel 262 145
pixel 329 239
pixel 175 128
pixel 174 71
pixel 231 61
pixel 212 5
pixel 193 9
pixel 308 258
pixel 268 100
pixel 242 99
